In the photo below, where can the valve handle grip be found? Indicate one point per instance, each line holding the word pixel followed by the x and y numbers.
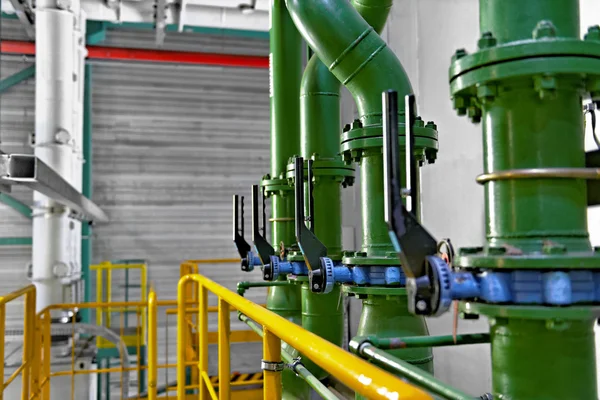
pixel 262 246
pixel 242 246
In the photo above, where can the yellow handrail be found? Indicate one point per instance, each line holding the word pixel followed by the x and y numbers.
pixel 357 374
pixel 28 382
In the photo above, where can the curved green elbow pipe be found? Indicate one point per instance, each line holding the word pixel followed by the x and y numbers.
pixel 353 51
pixel 375 12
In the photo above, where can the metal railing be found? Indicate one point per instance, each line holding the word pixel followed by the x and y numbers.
pixel 30 351
pixel 359 375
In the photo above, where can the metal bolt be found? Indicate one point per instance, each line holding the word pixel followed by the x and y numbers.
pixel 421 305
pixel 458 54
pixel 356 124
pixel 346 127
pixel 593 33
pixel 316 286
pixel 267 276
pixel 486 40
pixel 544 29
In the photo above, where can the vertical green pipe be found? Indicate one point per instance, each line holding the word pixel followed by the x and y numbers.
pixel 322 314
pixel 285 73
pixel 533 120
pixel 358 58
pixel 320 130
pixel 86 229
pixel 533 358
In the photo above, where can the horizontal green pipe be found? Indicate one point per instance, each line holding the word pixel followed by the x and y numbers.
pixel 17 78
pixel 244 285
pixel 15 241
pixel 298 368
pixel 406 370
pixel 424 341
pixel 17 205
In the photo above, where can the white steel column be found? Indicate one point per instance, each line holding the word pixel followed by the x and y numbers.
pixel 60 52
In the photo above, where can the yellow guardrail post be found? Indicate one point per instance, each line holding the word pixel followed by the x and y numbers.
pixel 272 365
pixel 224 331
pixel 202 339
pixel 2 326
pixel 152 346
pixel 47 354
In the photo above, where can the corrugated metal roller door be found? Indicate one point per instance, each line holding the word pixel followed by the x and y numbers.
pixel 171 145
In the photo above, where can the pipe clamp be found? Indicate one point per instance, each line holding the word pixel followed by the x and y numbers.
pixel 272 366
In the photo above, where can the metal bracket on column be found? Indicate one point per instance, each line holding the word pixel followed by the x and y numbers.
pixel 30 171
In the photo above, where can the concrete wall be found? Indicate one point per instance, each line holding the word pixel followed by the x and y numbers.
pixel 425 34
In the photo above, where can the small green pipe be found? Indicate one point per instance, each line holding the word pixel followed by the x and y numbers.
pixel 424 341
pixel 17 78
pixel 17 205
pixel 414 374
pixel 86 190
pixel 244 285
pixel 298 368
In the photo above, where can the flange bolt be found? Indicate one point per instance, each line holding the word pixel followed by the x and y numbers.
pixel 458 54
pixel 593 33
pixel 486 40
pixel 544 29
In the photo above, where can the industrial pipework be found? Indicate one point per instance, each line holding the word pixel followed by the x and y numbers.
pixel 360 59
pixel 535 279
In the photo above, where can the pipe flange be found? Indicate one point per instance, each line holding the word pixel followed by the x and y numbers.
pixel 272 366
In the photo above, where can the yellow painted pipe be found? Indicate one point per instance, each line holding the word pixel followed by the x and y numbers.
pixel 271 353
pixel 357 374
pixel 224 330
pixel 152 346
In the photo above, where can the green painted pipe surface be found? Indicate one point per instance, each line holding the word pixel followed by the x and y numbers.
pixel 410 372
pixel 389 318
pixel 353 51
pixel 511 20
pixel 86 190
pixel 534 120
pixel 522 131
pixel 323 315
pixel 538 359
pixel 425 341
pixel 376 239
pixel 285 74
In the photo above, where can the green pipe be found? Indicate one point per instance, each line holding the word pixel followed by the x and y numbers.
pixel 296 367
pixel 533 120
pixel 424 341
pixel 353 51
pixel 16 205
pixel 244 285
pixel 323 315
pixel 86 189
pixel 285 73
pixel 17 78
pixel 415 375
